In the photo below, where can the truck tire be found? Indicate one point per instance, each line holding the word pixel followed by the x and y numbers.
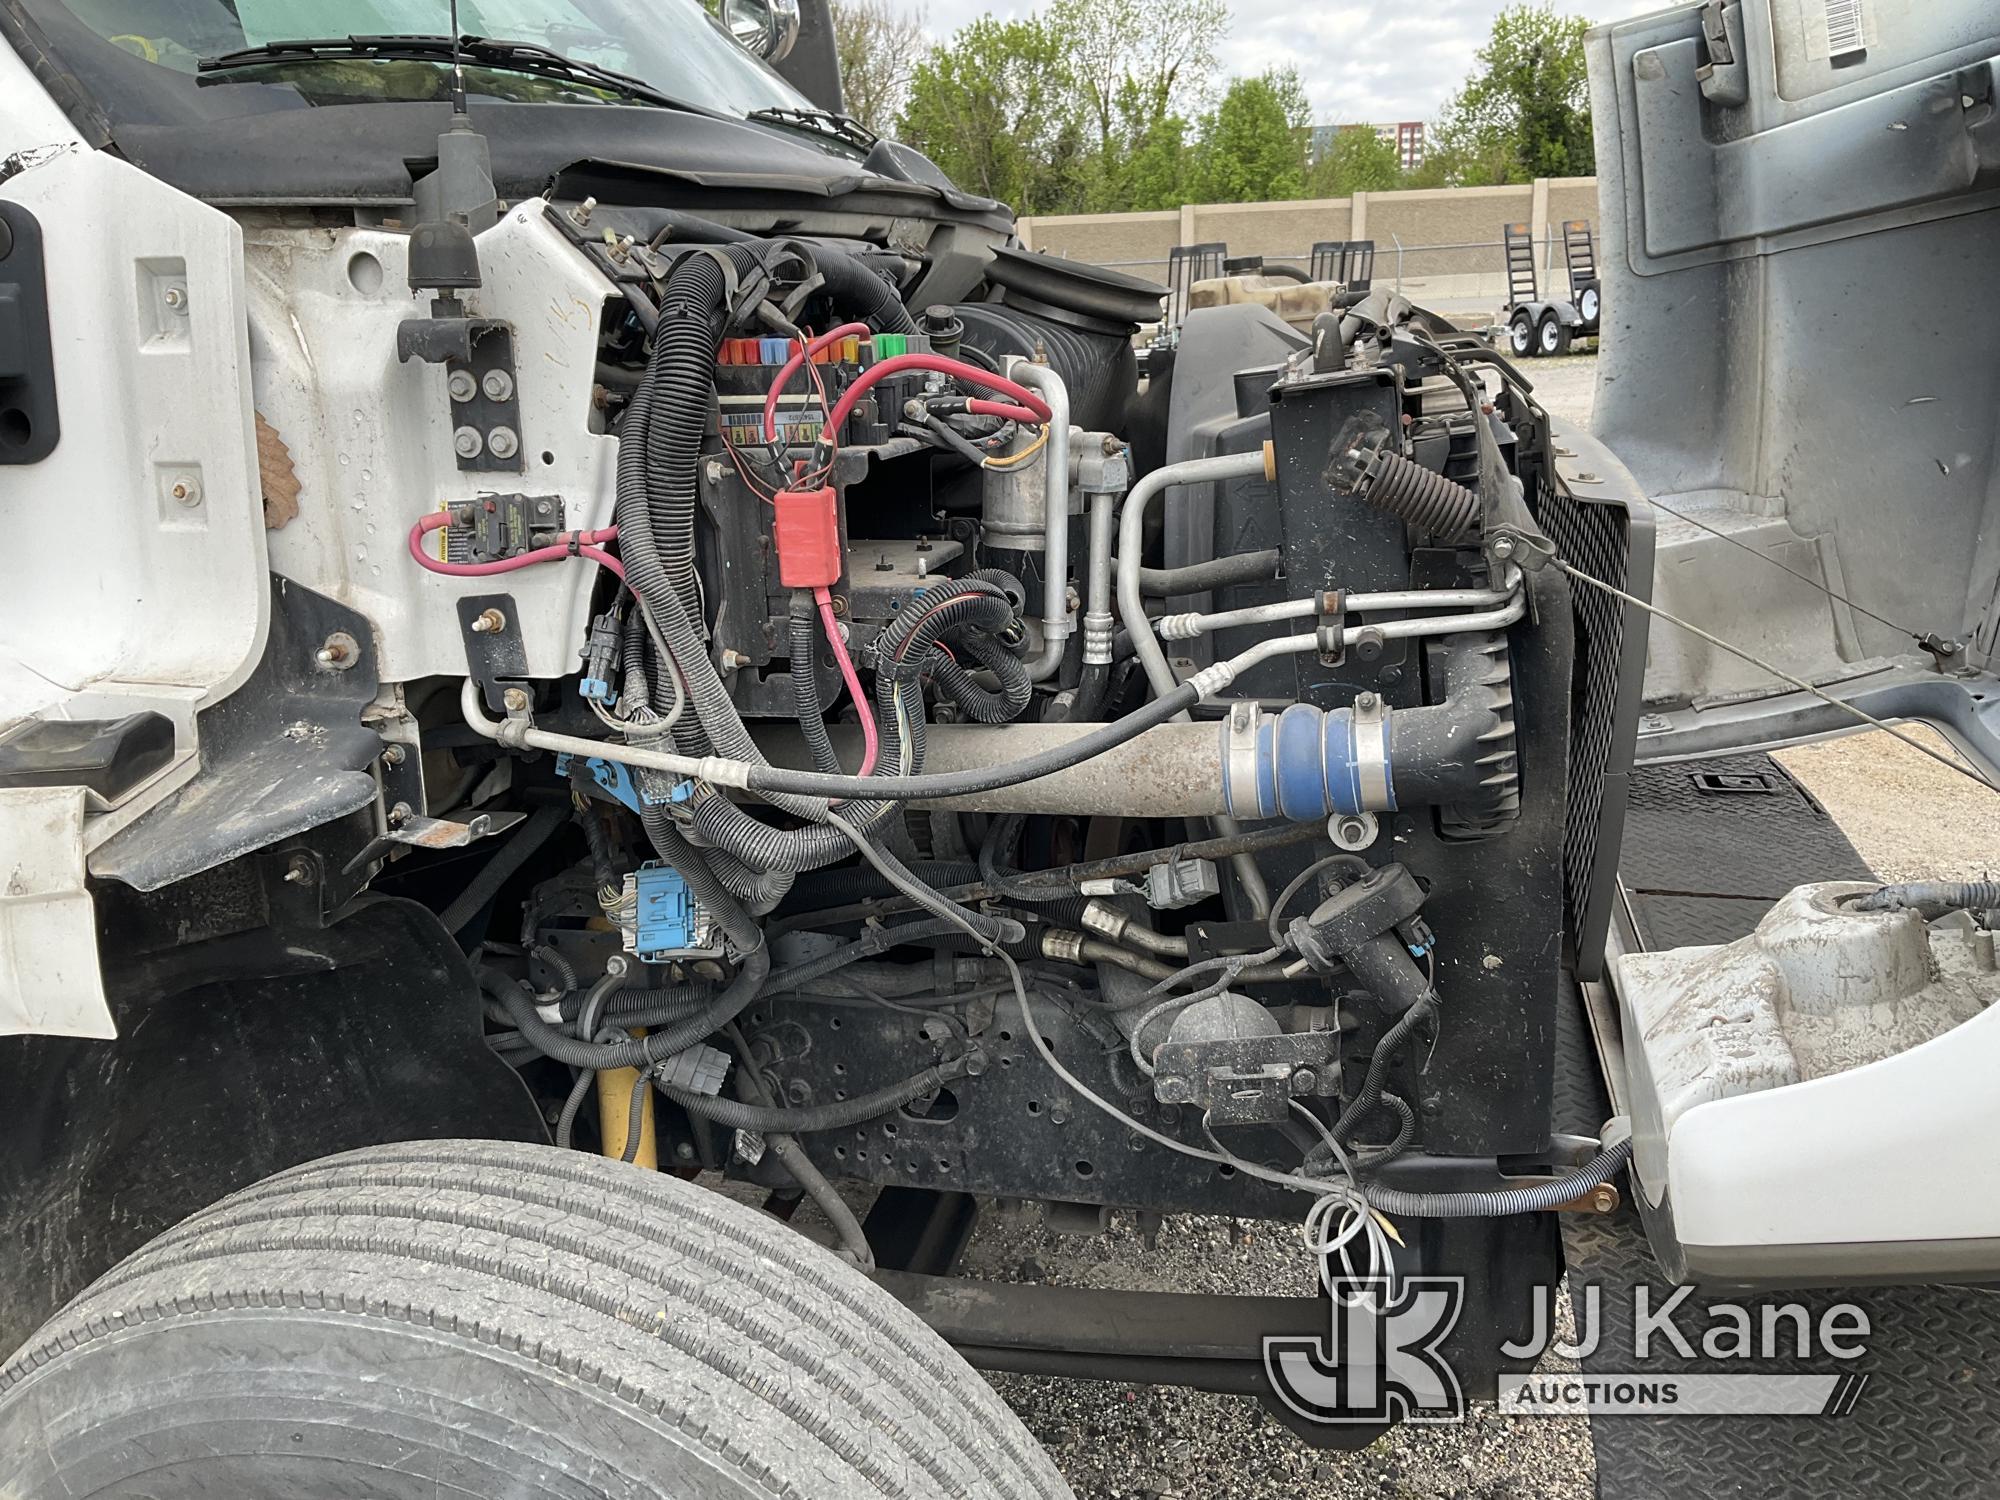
pixel 475 1318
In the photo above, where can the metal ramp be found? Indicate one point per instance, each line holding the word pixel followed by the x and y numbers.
pixel 1580 260
pixel 1187 264
pixel 1579 256
pixel 1708 846
pixel 1349 262
pixel 1519 241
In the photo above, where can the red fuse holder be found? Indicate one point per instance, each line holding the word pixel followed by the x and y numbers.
pixel 807 531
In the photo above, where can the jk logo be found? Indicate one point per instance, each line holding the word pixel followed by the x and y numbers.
pixel 1379 1359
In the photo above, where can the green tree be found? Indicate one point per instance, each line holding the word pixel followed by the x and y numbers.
pixel 1153 172
pixel 878 44
pixel 996 107
pixel 1525 111
pixel 1253 143
pixel 1356 160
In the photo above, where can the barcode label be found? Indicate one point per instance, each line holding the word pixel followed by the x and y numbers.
pixel 1845 31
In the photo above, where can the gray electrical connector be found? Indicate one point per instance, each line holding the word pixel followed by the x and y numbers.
pixel 1180 882
pixel 699 1070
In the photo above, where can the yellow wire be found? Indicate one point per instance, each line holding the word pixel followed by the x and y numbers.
pixel 1015 460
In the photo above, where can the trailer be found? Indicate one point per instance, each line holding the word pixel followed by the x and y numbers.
pixel 1535 325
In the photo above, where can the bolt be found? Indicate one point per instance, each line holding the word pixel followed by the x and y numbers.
pixel 617 964
pixel 1503 547
pixel 1111 446
pixel 300 870
pixel 1367 703
pixel 882 563
pixel 734 660
pixel 840 604
pixel 394 755
pixel 1603 1200
pixel 498 385
pixel 715 471
pixel 683 1151
pixel 503 442
pixel 400 814
pixel 581 213
pixel 488 622
pixel 1304 1080
pixel 338 652
pixel 516 700
pixel 176 298
pixel 460 385
pixel 1172 1091
pixel 186 489
pixel 1059 1116
pixel 467 442
pixel 798 1091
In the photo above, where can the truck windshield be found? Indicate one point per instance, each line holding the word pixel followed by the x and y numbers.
pixel 673 46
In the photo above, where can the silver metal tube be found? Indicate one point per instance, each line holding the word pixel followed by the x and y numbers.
pixel 1132 609
pixel 1100 626
pixel 1055 553
pixel 1108 921
pixel 1171 771
pixel 1185 627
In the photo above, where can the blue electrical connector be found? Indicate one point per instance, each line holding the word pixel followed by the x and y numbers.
pixel 599 653
pixel 667 914
pixel 616 781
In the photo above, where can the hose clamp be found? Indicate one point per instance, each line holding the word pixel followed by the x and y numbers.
pixel 1239 762
pixel 1371 753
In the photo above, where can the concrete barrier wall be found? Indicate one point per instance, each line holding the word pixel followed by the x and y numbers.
pixel 1435 244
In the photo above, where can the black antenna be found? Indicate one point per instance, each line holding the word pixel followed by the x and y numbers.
pixel 457 63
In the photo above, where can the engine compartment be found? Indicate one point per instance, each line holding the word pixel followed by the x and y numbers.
pixel 860 722
pixel 1200 732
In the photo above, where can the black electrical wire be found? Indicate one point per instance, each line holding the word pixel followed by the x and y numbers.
pixel 1275 924
pixel 806 1119
pixel 984 779
pixel 1369 1096
pixel 792 1157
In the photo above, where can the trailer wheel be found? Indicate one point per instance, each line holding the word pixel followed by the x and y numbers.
pixel 1521 335
pixel 1552 338
pixel 1589 304
pixel 477 1318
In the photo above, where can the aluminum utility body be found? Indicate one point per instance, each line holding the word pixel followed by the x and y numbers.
pixel 583 643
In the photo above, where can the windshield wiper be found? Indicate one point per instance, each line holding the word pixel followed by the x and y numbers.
pixel 480 51
pixel 820 122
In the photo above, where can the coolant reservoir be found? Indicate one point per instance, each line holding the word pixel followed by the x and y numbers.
pixel 1297 302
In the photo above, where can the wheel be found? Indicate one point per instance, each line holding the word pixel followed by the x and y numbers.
pixel 1552 337
pixel 474 1318
pixel 1588 305
pixel 1521 336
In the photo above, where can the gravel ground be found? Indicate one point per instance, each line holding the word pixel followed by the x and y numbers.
pixel 1907 815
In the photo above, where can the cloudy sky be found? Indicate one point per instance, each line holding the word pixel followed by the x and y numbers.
pixel 1362 60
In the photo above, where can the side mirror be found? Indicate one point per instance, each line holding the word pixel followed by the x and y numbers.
pixel 767 28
